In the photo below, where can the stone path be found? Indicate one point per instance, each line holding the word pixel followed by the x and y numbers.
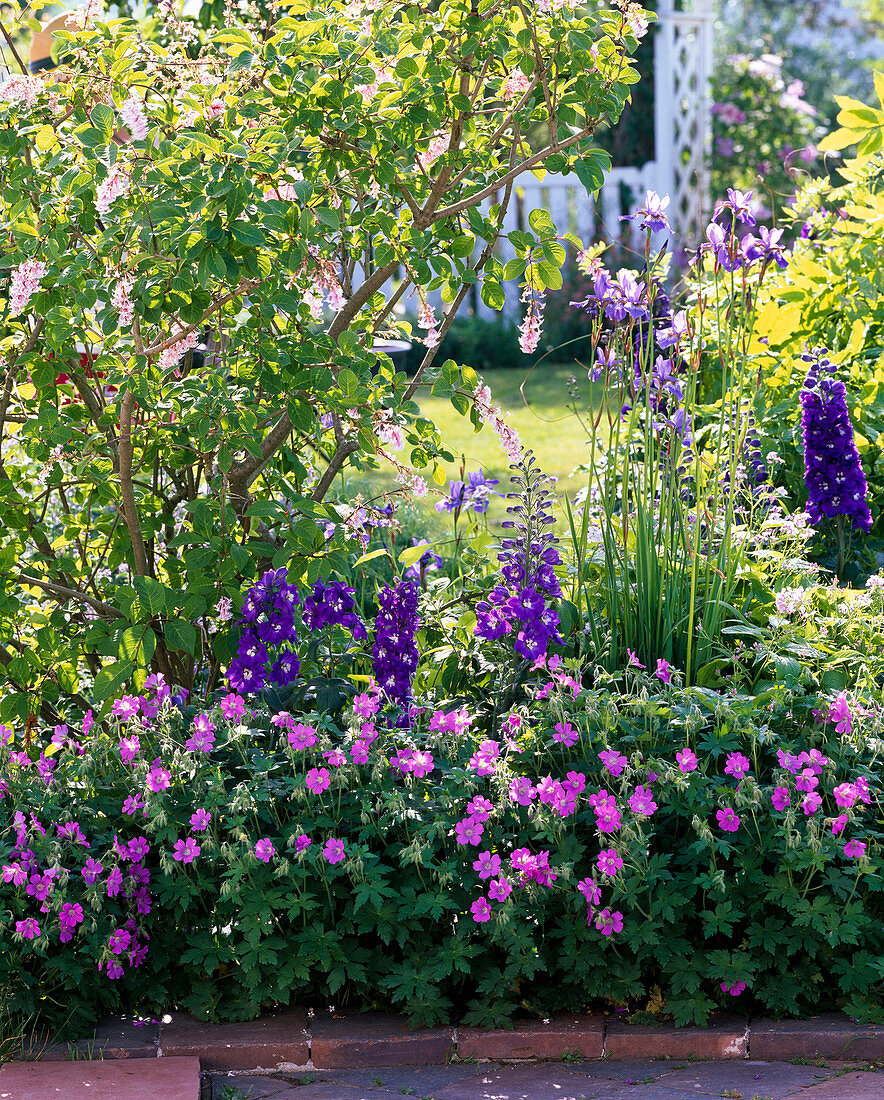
pixel 595 1080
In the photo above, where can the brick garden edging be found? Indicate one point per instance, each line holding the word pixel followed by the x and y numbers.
pixel 356 1040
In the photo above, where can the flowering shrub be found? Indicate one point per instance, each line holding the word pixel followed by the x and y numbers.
pixel 763 132
pixel 210 237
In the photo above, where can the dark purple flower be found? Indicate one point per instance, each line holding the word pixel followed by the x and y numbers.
pixel 395 654
pixel 833 473
pixel 521 606
pixel 333 604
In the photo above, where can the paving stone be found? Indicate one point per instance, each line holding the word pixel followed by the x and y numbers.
pixel 256 1088
pixel 769 1079
pixel 253 1044
pixel 159 1079
pixel 828 1036
pixel 564 1034
pixel 532 1082
pixel 425 1080
pixel 629 1069
pixel 331 1091
pixel 375 1039
pixel 850 1086
pixel 725 1037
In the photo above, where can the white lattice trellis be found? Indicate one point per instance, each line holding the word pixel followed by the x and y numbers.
pixel 682 124
pixel 682 109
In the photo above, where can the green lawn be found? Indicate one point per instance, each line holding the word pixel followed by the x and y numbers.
pixel 536 404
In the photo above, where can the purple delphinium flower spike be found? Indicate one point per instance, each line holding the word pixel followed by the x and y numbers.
pixel 833 473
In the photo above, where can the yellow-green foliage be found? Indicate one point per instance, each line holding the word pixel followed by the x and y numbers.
pixel 832 295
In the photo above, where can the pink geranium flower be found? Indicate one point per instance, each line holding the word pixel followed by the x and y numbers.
pixel 481 910
pixel 728 820
pixel 608 923
pixel 687 761
pixel 333 850
pixel 780 798
pixel 487 864
pixel 186 851
pixel 499 889
pixel 264 850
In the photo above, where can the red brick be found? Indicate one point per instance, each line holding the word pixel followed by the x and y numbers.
pixel 111 1039
pixel 159 1079
pixel 534 1039
pixel 375 1039
pixel 253 1044
pixel 725 1037
pixel 828 1036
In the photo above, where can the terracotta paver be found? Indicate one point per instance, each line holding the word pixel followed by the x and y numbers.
pixel 375 1039
pixel 725 1037
pixel 828 1036
pixel 156 1079
pixel 552 1038
pixel 253 1044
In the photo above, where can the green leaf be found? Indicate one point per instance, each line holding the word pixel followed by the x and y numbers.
pixel 137 645
pixel 406 67
pixel 248 235
pixel 45 138
pixel 493 294
pixel 514 269
pixel 371 556
pixel 180 635
pixel 591 169
pixel 103 119
pixel 153 596
pixel 110 679
pixel 412 554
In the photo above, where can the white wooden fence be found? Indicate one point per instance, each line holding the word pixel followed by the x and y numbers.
pixel 682 126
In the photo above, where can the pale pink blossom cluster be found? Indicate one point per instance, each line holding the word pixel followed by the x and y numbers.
pixel 515 85
pixel 427 319
pixel 216 107
pixel 545 7
pixel 82 17
pixel 790 600
pixel 405 476
pixel 134 118
pixel 382 75
pixel 20 89
pixel 636 22
pixel 171 356
pixel 25 281
pixel 529 330
pixel 436 148
pixel 122 302
pixel 389 433
pixel 117 183
pixel 285 192
pixel 491 414
pixel 323 280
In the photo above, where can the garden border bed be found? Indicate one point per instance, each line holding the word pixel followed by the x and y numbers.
pixel 358 1040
